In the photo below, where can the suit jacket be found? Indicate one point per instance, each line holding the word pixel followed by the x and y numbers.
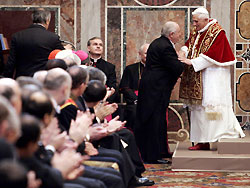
pixel 159 77
pixel 109 71
pixel 50 177
pixel 30 49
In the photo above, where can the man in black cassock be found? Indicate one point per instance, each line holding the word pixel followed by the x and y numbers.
pixel 158 79
pixel 129 86
pixel 95 49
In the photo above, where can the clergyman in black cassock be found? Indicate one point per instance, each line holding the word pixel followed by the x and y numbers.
pixel 129 86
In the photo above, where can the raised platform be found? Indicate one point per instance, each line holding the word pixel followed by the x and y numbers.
pixel 234 145
pixel 186 160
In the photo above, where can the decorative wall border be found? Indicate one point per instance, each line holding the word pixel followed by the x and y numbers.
pixel 241 45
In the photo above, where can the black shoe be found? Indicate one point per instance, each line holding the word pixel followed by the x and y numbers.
pixel 141 182
pixel 163 161
pixel 160 161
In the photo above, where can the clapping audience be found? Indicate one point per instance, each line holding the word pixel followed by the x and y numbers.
pixel 56 129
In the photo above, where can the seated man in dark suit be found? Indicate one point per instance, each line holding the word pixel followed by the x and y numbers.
pixel 31 47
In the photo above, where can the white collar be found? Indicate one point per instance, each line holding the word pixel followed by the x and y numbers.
pixel 95 60
pixel 206 27
pixel 172 44
pixel 56 106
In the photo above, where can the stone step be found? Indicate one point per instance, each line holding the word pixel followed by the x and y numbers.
pixel 186 160
pixel 234 145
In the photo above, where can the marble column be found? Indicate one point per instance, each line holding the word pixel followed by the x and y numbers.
pixel 90 21
pixel 220 10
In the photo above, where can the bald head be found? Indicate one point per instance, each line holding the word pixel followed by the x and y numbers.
pixel 56 78
pixel 171 30
pixel 169 27
pixel 40 75
pixel 58 83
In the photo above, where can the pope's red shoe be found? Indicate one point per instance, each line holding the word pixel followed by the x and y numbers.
pixel 200 146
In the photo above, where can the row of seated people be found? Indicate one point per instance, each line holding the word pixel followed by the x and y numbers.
pixel 55 127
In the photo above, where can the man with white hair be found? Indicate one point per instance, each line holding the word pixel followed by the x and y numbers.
pixel 157 82
pixel 206 82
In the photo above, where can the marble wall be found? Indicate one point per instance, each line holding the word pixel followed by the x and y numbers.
pixel 241 69
pixel 68 25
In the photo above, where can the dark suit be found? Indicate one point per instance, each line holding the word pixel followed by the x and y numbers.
pixel 30 49
pixel 108 69
pixel 158 79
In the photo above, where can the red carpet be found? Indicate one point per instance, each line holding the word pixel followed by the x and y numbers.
pixel 164 177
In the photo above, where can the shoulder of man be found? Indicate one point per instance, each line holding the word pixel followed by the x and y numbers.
pixel 108 63
pixel 132 66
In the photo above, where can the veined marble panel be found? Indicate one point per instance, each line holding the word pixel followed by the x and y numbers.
pixel 243 20
pixel 114 39
pixel 243 92
pixel 66 22
pixel 144 25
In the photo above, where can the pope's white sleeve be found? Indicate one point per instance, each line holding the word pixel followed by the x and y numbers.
pixel 200 63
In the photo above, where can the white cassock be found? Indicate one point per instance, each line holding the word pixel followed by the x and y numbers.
pixel 217 101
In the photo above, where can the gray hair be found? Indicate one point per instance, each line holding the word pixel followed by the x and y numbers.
pixel 142 46
pixel 56 78
pixel 41 16
pixel 96 74
pixel 168 27
pixel 40 75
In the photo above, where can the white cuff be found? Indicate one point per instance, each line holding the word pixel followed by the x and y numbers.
pixel 200 63
pixel 51 148
pixel 185 49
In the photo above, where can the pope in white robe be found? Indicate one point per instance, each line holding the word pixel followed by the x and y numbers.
pixel 206 82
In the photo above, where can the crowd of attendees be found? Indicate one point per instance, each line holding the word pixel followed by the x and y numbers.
pixel 56 124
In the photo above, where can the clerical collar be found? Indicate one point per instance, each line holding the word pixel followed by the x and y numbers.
pixel 95 60
pixel 206 27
